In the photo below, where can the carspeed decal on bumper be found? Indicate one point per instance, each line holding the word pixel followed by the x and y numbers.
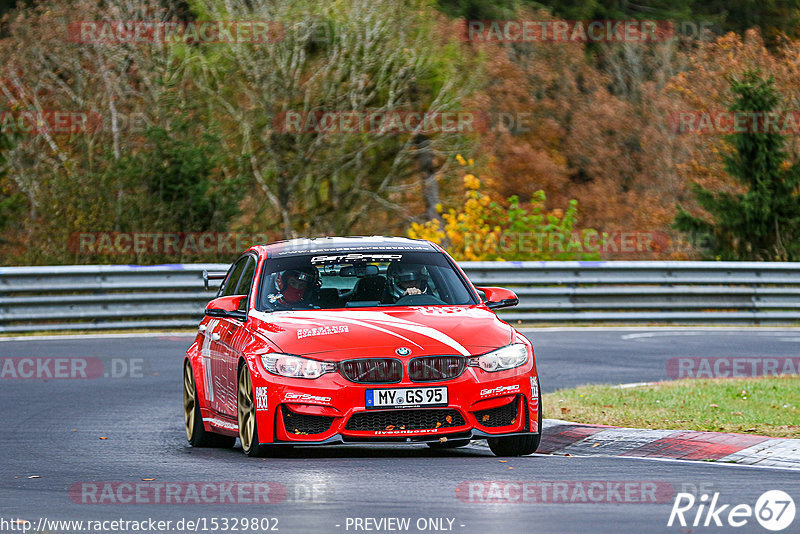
pixel 500 390
pixel 305 397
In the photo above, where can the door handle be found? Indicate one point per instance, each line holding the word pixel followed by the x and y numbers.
pixel 215 336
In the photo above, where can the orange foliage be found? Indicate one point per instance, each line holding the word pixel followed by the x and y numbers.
pixel 598 130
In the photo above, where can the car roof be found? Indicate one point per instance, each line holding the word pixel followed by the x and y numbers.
pixel 297 247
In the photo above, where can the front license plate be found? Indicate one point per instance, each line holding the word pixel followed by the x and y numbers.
pixel 406 397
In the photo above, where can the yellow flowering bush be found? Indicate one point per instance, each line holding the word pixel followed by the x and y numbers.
pixel 483 230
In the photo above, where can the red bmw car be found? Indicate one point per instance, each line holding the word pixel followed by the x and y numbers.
pixel 358 340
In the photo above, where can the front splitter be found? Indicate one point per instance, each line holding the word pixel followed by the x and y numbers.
pixel 345 440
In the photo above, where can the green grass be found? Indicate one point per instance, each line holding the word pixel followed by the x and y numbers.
pixel 768 406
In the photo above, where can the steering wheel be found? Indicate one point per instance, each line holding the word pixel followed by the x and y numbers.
pixel 418 300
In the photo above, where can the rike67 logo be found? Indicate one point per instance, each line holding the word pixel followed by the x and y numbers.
pixel 774 510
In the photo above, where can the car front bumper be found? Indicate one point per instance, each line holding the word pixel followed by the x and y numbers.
pixel 331 409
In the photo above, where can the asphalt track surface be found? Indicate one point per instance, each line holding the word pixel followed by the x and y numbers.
pixel 140 414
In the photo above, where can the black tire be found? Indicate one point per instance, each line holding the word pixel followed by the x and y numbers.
pixel 196 433
pixel 248 424
pixel 518 445
pixel 449 444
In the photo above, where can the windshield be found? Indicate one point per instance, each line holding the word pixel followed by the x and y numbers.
pixel 361 280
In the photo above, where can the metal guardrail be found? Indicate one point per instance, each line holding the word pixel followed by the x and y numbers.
pixel 96 297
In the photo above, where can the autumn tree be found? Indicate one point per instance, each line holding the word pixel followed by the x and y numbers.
pixel 11 200
pixel 376 57
pixel 90 179
pixel 178 175
pixel 579 128
pixel 478 9
pixel 773 18
pixel 763 223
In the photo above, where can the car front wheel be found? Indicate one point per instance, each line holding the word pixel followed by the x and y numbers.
pixel 246 413
pixel 248 426
pixel 518 445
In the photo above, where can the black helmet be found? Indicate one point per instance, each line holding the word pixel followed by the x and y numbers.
pixel 401 275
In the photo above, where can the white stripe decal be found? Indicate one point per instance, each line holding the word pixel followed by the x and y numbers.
pixel 437 335
pixel 295 320
pixel 373 327
pixel 359 318
pixel 417 328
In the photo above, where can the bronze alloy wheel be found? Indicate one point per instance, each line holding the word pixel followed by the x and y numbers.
pixel 248 426
pixel 246 410
pixel 189 404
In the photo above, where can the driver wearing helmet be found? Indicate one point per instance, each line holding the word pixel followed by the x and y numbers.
pixel 407 279
pixel 294 287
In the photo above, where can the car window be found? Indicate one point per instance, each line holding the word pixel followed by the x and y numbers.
pixel 232 281
pixel 247 277
pixel 366 279
pixel 246 282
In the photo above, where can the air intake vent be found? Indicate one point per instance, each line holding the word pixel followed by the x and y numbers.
pixel 405 420
pixel 300 423
pixel 501 416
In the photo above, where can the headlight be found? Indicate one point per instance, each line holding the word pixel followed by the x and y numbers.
pixel 501 359
pixel 295 366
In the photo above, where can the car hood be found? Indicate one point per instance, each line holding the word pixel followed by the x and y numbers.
pixel 424 330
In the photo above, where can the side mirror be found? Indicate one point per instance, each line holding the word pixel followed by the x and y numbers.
pixel 498 297
pixel 227 307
